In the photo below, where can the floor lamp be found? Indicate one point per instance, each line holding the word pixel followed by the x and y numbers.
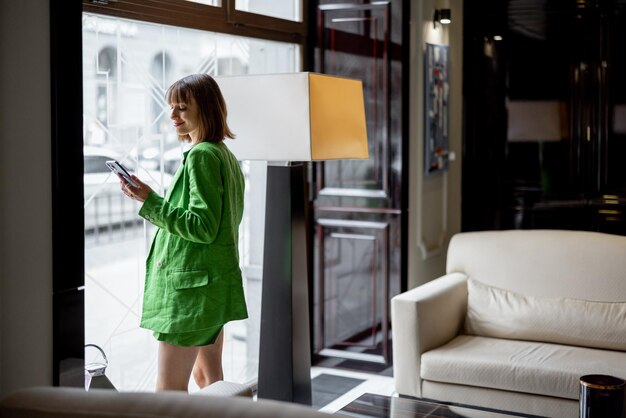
pixel 290 119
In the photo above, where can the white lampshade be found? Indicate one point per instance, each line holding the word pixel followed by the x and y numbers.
pixel 295 117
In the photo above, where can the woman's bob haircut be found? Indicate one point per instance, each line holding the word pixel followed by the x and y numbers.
pixel 211 106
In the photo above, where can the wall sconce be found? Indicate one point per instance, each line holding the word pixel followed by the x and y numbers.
pixel 443 16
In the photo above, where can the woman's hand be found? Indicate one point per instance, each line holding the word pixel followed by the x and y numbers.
pixel 139 193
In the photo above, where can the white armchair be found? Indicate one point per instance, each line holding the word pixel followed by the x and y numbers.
pixel 519 317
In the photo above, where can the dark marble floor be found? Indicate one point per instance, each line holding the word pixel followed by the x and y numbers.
pixel 327 387
pixel 346 378
pixel 334 388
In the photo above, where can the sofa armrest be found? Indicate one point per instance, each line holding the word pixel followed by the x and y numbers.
pixel 66 402
pixel 424 318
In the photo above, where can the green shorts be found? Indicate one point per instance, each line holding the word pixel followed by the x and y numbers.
pixel 191 339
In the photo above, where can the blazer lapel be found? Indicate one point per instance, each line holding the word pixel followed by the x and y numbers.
pixel 177 175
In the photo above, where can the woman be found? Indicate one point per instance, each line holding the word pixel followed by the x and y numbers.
pixel 193 282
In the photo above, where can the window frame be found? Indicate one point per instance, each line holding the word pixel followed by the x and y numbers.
pixel 67 138
pixel 224 18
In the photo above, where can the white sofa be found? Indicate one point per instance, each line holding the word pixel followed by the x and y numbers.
pixel 519 317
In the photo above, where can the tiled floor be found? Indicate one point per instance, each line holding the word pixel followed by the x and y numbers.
pixel 372 383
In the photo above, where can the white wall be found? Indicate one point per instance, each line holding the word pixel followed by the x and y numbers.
pixel 434 201
pixel 25 195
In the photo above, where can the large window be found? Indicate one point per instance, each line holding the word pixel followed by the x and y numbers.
pixel 127 66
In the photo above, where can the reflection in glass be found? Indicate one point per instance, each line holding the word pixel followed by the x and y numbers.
pixel 207 2
pixel 282 9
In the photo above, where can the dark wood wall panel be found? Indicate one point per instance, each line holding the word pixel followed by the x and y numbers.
pixel 359 205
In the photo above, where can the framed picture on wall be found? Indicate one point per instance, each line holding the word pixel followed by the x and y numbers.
pixel 436 92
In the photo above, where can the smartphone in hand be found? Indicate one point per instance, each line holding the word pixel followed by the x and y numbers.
pixel 118 168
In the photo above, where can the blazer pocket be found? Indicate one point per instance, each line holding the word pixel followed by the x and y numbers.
pixel 189 279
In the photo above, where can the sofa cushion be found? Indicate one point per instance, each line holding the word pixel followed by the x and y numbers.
pixel 519 366
pixel 495 312
pixel 546 263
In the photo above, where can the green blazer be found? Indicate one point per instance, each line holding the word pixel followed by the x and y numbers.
pixel 193 280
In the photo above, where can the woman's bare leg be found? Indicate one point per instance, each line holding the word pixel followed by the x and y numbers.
pixel 208 366
pixel 175 366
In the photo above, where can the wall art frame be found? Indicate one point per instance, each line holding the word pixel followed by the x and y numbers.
pixel 436 109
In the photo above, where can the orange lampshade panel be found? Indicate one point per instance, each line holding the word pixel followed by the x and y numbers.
pixel 338 128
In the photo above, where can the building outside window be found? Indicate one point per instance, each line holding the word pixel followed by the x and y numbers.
pixel 127 66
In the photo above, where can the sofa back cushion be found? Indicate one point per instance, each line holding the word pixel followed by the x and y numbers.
pixel 544 263
pixel 495 312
